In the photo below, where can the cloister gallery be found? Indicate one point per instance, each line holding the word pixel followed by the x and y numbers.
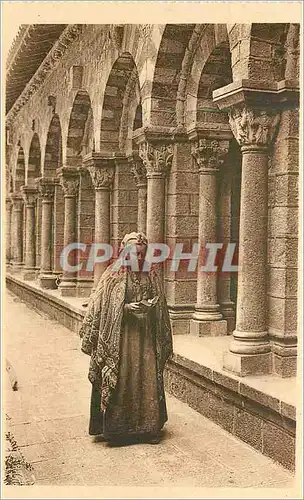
pixel 189 133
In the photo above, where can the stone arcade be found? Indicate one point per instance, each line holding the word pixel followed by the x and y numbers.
pixel 188 132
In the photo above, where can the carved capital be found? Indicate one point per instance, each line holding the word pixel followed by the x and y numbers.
pixel 138 170
pixel 145 30
pixel 101 170
pixel 102 177
pixel 156 159
pixel 69 184
pixel 252 126
pixel 17 201
pixel 46 188
pixel 29 195
pixel 209 154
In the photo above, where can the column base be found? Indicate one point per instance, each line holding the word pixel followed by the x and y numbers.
pixel 16 267
pixel 84 288
pixel 48 281
pixel 29 274
pixel 67 288
pixel 284 356
pixel 228 313
pixel 247 364
pixel 209 328
pixel 284 366
pixel 180 318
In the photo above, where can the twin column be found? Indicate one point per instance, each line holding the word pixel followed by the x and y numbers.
pixel 254 129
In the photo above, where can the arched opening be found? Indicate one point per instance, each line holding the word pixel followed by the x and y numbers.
pixel 53 149
pixel 121 98
pixel 19 178
pixel 53 161
pixel 138 122
pixel 78 128
pixel 113 103
pixel 80 142
pixel 167 73
pixel 216 73
pixel 34 163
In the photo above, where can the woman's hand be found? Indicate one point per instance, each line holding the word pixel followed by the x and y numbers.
pixel 136 308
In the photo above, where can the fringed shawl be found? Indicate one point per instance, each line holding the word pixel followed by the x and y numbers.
pixel 102 327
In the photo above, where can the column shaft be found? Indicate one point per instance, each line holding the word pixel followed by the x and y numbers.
pixel 46 236
pixel 18 232
pixel 102 226
pixel 155 208
pixel 224 233
pixel 46 189
pixel 69 180
pixel 207 318
pixel 142 209
pixel 251 320
pixel 8 231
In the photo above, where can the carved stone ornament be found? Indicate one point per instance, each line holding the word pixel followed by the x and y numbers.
pixel 209 154
pixel 156 159
pixel 69 184
pixel 102 177
pixel 139 171
pixel 253 126
pixel 145 30
pixel 67 37
pixel 46 190
pixel 29 195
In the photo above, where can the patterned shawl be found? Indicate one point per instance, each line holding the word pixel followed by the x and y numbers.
pixel 102 327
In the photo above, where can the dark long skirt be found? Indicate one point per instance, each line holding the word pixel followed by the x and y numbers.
pixel 137 408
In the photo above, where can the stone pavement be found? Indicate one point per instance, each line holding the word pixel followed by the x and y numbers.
pixel 48 417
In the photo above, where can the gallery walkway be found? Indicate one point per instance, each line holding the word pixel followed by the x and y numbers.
pixel 48 417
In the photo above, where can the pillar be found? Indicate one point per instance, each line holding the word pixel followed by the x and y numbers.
pixel 207 319
pixel 157 160
pixel 254 128
pixel 8 230
pixel 46 187
pixel 140 176
pixel 69 180
pixel 29 195
pixel 102 173
pixel 17 230
pixel 224 236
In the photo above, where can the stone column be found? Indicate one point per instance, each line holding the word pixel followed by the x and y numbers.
pixel 46 188
pixel 157 160
pixel 140 176
pixel 250 347
pixel 207 319
pixel 224 235
pixel 8 230
pixel 102 173
pixel 69 180
pixel 17 230
pixel 29 196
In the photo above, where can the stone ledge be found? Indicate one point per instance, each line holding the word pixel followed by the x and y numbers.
pixel 259 410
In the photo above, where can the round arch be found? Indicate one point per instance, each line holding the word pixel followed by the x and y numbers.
pixel 34 162
pixel 53 149
pixel 19 177
pixel 119 91
pixel 78 138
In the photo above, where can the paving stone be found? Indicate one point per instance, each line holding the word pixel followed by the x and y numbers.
pixel 54 401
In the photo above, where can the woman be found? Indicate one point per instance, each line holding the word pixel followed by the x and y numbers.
pixel 129 342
